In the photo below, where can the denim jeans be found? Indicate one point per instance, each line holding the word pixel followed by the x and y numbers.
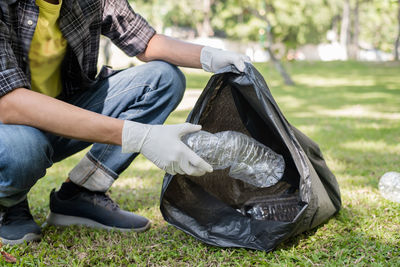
pixel 147 93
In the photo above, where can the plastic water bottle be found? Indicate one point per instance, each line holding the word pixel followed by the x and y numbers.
pixel 283 209
pixel 248 159
pixel 389 186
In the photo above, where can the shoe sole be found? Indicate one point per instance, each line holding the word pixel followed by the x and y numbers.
pixel 27 238
pixel 66 220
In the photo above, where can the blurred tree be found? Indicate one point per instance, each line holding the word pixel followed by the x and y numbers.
pixel 262 14
pixel 397 42
pixel 196 14
pixel 204 27
pixel 378 24
pixel 293 22
pixel 345 27
pixel 354 45
pixel 350 28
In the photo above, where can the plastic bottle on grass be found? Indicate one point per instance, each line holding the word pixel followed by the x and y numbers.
pixel 389 186
pixel 248 159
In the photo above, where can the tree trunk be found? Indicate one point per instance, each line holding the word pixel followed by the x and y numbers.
pixel 397 43
pixel 279 67
pixel 277 63
pixel 354 47
pixel 204 28
pixel 270 38
pixel 345 27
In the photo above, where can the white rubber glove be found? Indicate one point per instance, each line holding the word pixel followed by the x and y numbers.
pixel 213 59
pixel 162 145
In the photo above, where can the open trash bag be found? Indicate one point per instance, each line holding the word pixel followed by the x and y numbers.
pixel 227 212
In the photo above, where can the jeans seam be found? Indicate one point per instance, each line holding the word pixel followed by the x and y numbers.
pixel 122 92
pixel 87 176
pixel 100 158
pixel 99 165
pixel 95 167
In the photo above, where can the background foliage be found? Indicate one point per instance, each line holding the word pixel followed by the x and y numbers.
pixel 294 22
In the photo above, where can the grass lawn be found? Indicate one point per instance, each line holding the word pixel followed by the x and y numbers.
pixel 352 110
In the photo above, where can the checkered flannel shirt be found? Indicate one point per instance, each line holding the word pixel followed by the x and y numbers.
pixel 81 22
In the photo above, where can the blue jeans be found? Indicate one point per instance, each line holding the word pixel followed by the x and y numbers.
pixel 146 94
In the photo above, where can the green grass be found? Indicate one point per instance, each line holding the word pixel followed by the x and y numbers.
pixel 352 110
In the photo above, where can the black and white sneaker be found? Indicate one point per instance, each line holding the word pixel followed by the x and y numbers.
pixel 93 209
pixel 18 226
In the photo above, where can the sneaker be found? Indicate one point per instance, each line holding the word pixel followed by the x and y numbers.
pixel 93 209
pixel 18 226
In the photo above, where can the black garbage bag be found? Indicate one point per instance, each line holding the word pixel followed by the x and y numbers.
pixel 227 212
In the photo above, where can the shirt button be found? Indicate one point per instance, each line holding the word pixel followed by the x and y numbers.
pixel 30 22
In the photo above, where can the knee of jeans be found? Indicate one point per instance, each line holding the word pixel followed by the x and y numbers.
pixel 25 154
pixel 171 77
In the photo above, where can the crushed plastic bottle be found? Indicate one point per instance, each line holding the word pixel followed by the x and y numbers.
pixel 277 209
pixel 248 159
pixel 389 186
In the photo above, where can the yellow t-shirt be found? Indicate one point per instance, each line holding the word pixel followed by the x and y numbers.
pixel 47 51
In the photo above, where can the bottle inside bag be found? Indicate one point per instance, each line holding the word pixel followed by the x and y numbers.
pixel 248 159
pixel 283 209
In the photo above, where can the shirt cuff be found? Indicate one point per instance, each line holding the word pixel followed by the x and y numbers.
pixel 11 79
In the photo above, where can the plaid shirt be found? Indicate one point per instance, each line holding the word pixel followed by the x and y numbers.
pixel 81 22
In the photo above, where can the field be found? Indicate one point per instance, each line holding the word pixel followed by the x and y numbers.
pixel 352 110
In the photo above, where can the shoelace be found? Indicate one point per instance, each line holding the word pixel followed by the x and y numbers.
pixel 105 200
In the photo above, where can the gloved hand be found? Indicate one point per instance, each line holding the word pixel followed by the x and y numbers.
pixel 213 59
pixel 162 145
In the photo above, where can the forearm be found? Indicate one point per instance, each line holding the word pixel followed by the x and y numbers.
pixel 27 107
pixel 174 51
